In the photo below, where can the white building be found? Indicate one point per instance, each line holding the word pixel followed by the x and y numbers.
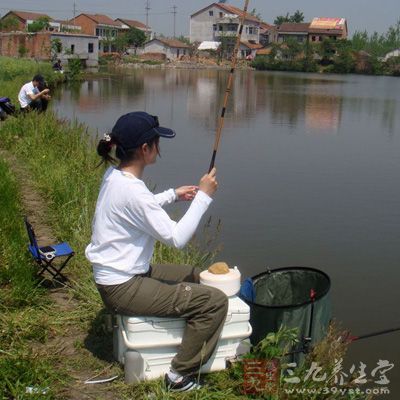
pixel 220 20
pixel 172 48
pixel 85 47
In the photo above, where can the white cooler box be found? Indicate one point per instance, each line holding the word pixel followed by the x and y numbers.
pixel 146 345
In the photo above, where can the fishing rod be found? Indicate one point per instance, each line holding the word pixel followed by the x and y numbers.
pixel 305 347
pixel 352 339
pixel 228 87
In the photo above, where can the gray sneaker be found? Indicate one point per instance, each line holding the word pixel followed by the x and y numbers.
pixel 184 384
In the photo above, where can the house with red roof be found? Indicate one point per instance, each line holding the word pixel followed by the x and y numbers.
pixel 24 18
pixel 131 23
pixel 331 28
pixel 102 26
pixel 221 20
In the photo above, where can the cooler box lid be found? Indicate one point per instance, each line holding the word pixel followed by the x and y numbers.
pixel 238 311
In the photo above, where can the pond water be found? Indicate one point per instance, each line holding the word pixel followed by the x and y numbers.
pixel 309 173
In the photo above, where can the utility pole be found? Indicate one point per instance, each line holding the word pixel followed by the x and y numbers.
pixel 174 12
pixel 147 8
pixel 74 12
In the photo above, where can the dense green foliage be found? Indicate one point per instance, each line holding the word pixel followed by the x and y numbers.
pixel 40 24
pixel 8 24
pixel 135 37
pixel 362 54
pixel 296 17
pixel 377 44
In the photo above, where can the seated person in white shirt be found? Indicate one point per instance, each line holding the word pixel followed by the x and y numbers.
pixel 30 97
pixel 128 220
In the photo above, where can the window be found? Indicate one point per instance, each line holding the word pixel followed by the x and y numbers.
pixel 215 27
pixel 221 14
pixel 313 38
pixel 211 13
pixel 220 28
pixel 72 48
pixel 90 47
pixel 231 27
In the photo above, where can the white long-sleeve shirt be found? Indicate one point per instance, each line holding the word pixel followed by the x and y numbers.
pixel 127 222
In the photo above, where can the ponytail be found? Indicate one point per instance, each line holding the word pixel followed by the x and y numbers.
pixel 104 148
pixel 106 144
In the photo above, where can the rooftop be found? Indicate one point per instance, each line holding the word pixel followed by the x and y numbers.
pixel 301 27
pixel 133 24
pixel 171 42
pixel 101 19
pixel 230 10
pixel 24 15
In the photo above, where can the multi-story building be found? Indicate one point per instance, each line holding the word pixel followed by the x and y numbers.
pixel 219 20
pixel 332 28
pixel 102 26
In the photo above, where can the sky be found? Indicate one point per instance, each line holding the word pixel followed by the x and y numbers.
pixel 360 14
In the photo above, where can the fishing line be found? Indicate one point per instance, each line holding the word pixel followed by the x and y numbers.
pixel 228 86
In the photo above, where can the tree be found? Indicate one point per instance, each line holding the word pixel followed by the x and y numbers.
pixel 55 48
pixel 135 37
pixel 297 17
pixel 291 49
pixel 120 43
pixel 9 24
pixel 280 19
pixel 327 50
pixel 254 13
pixel 40 24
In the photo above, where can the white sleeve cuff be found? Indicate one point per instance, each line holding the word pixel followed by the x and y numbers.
pixel 204 197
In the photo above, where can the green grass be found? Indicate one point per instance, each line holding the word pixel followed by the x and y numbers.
pixel 18 286
pixel 24 307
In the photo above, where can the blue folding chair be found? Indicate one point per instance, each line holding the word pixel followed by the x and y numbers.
pixel 45 255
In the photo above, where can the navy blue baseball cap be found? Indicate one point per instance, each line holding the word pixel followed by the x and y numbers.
pixel 135 128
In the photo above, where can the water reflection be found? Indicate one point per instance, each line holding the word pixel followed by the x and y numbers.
pixel 290 100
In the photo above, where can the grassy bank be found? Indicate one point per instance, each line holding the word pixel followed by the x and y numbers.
pixel 61 159
pixel 24 307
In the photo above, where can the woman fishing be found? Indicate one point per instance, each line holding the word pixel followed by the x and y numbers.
pixel 128 220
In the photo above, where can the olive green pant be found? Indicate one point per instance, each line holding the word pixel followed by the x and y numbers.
pixel 174 291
